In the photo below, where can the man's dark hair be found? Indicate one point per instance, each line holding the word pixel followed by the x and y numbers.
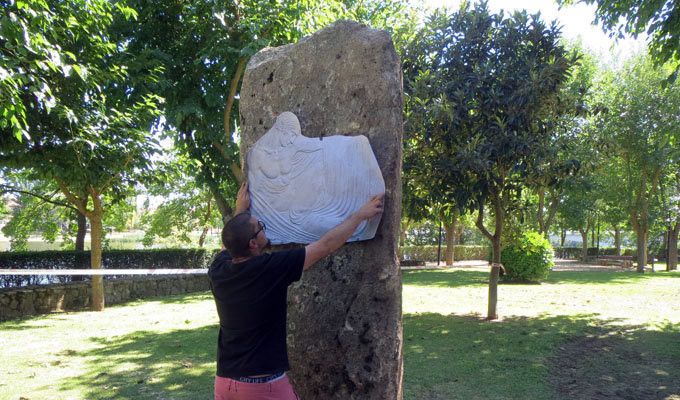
pixel 236 235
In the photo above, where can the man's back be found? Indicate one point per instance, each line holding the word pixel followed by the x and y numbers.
pixel 251 303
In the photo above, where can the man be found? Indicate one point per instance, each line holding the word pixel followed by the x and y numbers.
pixel 250 289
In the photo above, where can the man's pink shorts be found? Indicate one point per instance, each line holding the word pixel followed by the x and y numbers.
pixel 279 389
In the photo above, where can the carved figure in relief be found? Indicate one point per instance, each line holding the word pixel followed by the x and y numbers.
pixel 302 187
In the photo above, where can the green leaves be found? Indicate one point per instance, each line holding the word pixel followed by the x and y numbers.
pixel 76 113
pixel 528 258
pixel 479 87
pixel 660 19
pixel 201 48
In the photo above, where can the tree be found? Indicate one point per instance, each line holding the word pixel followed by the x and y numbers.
pixel 578 208
pixel 660 19
pixel 185 207
pixel 673 220
pixel 481 87
pixel 419 201
pixel 570 146
pixel 89 131
pixel 30 214
pixel 203 48
pixel 641 129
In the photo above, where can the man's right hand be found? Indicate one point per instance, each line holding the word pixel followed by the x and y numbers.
pixel 337 236
pixel 372 208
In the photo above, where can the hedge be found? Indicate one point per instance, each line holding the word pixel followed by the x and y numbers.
pixel 111 259
pixel 429 253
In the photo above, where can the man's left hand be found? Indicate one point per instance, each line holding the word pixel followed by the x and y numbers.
pixel 242 199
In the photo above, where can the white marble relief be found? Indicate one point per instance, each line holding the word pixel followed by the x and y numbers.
pixel 302 187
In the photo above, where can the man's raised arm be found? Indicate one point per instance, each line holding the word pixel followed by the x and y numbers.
pixel 337 236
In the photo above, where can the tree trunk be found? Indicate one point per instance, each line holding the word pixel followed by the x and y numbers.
pixel 495 239
pixel 539 215
pixel 458 229
pixel 82 231
pixel 563 237
pixel 617 240
pixel 201 239
pixel 449 227
pixel 96 233
pixel 222 204
pixel 673 247
pixel 584 244
pixel 496 258
pixel 80 244
pixel 641 234
pixel 205 222
pixel 493 277
pixel 592 237
pixel 403 228
pixel 552 211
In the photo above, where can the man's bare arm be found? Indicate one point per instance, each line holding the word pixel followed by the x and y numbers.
pixel 337 236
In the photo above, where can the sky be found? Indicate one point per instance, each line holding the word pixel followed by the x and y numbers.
pixel 576 21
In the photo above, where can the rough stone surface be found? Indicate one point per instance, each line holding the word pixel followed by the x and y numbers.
pixel 344 328
pixel 31 300
pixel 301 187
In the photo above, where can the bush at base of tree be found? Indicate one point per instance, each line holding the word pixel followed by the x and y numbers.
pixel 529 258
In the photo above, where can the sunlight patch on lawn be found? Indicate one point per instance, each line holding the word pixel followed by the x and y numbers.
pixel 625 297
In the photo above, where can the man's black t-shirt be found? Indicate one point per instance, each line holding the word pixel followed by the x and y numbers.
pixel 251 299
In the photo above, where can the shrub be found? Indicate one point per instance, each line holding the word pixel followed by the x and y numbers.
pixel 529 258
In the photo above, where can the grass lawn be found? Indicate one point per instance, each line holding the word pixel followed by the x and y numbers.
pixel 581 335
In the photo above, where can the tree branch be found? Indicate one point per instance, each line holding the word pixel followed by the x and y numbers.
pixel 234 167
pixel 480 222
pixel 552 211
pixel 79 203
pixel 233 87
pixel 10 189
pixel 114 176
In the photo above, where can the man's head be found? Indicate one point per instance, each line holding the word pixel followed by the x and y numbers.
pixel 244 236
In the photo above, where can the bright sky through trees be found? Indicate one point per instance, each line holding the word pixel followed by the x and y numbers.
pixel 576 23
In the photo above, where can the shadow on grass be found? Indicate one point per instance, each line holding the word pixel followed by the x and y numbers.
pixel 457 278
pixel 463 357
pixel 23 325
pixel 179 364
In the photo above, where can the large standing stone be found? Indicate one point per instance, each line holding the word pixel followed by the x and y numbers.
pixel 345 336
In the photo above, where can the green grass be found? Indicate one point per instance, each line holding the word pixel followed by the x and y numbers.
pixel 450 352
pixel 161 349
pixel 164 348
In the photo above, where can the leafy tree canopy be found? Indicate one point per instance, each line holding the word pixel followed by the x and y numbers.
pixel 660 19
pixel 202 49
